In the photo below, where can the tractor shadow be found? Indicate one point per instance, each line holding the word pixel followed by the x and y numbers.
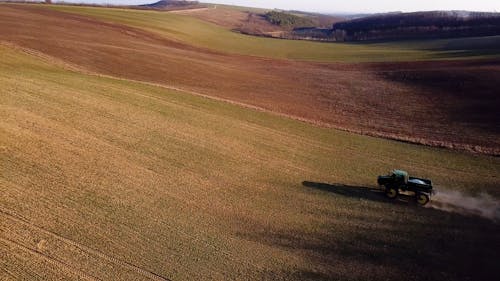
pixel 360 192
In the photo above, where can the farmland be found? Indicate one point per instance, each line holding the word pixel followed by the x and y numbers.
pixel 124 156
pixel 190 188
pixel 398 100
pixel 206 35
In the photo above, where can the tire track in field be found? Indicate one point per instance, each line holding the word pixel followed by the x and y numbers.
pixel 50 259
pixel 141 271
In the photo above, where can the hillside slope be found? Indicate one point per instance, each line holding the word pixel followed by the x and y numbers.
pixel 451 104
pixel 202 34
pixel 104 178
pixel 245 21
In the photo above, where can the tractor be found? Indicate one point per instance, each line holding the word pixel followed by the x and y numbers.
pixel 398 181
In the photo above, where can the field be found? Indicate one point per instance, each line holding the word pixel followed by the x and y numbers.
pixel 107 178
pixel 202 34
pixel 442 103
pixel 124 156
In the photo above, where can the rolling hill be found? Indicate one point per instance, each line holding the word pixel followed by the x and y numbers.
pixel 105 178
pixel 195 32
pixel 395 100
pixel 131 149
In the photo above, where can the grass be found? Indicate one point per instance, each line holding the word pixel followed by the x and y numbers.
pixel 120 180
pixel 206 35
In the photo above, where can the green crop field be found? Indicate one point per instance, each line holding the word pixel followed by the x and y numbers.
pixel 103 178
pixel 206 35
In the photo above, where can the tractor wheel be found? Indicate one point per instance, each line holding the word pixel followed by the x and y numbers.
pixel 422 199
pixel 391 192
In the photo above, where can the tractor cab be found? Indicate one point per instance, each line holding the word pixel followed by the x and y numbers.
pixel 400 176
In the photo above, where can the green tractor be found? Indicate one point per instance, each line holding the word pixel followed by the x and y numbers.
pixel 398 181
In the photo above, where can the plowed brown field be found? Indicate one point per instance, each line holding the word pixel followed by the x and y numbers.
pixel 450 104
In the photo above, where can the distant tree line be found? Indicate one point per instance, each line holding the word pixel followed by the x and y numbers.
pixel 288 20
pixel 418 25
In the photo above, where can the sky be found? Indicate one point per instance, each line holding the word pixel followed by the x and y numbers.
pixel 351 6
